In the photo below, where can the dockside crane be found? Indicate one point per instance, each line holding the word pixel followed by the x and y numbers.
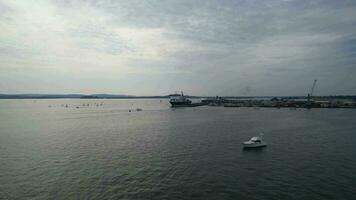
pixel 310 94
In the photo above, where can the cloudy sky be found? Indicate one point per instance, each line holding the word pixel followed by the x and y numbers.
pixel 222 47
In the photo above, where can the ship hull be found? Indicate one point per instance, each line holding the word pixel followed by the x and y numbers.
pixel 176 104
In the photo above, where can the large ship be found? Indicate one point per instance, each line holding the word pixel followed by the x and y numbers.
pixel 179 100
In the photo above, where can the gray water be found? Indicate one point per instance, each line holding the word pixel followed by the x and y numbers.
pixel 48 151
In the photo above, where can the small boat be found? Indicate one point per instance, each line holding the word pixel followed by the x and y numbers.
pixel 255 142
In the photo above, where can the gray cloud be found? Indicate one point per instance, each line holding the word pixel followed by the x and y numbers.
pixel 226 47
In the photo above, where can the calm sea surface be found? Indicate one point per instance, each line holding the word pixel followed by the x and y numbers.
pixel 48 151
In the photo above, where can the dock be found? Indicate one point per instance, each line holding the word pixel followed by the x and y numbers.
pixel 284 102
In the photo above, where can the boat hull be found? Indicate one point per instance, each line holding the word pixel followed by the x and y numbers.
pixel 254 145
pixel 177 103
pixel 187 104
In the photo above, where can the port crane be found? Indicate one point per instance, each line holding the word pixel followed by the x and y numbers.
pixel 310 94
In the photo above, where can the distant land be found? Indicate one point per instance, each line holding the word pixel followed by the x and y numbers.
pixel 121 96
pixel 73 96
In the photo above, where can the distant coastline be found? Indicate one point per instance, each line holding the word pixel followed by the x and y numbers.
pixel 75 96
pixel 114 96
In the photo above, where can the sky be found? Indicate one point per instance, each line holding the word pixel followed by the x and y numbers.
pixel 202 47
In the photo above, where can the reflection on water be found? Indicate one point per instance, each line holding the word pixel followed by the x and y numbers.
pixel 257 150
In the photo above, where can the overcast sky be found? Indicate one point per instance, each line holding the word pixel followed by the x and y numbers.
pixel 222 47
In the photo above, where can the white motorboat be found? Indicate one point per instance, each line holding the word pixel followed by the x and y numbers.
pixel 255 142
